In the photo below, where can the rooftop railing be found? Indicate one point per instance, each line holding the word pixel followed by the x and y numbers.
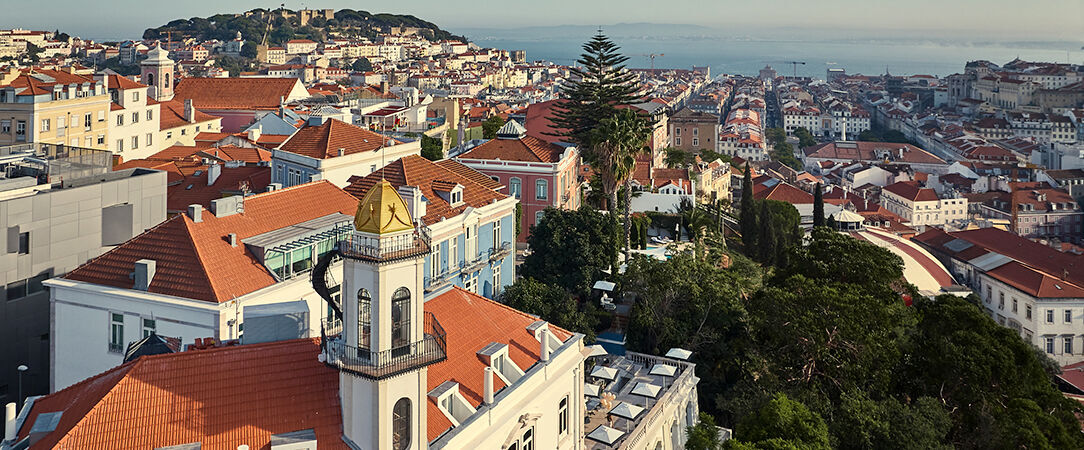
pixel 378 365
pixel 386 248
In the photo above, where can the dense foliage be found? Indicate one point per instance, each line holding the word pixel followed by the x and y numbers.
pixel 570 249
pixel 432 148
pixel 805 138
pixel 553 304
pixel 491 125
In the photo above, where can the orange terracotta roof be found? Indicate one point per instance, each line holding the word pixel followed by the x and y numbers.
pixel 193 189
pixel 785 193
pixel 325 140
pixel 911 191
pixel 526 149
pixel 172 115
pixel 471 174
pixel 235 93
pixel 472 322
pixel 195 261
pixel 419 172
pixel 123 83
pixel 221 397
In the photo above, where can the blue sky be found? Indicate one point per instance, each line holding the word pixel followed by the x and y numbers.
pixel 992 19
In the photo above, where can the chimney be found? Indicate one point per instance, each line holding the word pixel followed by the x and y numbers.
pixel 9 422
pixel 213 172
pixel 901 152
pixel 488 386
pixel 195 212
pixel 189 111
pixel 227 206
pixel 384 87
pixel 544 340
pixel 144 273
pixel 342 151
pixel 232 239
pixel 254 134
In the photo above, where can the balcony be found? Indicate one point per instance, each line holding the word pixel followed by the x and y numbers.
pixel 363 362
pixel 500 251
pixel 386 248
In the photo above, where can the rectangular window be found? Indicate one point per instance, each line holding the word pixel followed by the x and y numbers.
pixel 1068 316
pixel 562 417
pixel 472 242
pixel 5 127
pixel 135 117
pixel 1068 345
pixel 135 142
pixel 1027 311
pixel 696 142
pixel 496 234
pixel 120 119
pixel 87 120
pixel 120 145
pixel 434 264
pixel 24 243
pixel 496 280
pixel 45 124
pixel 116 332
pixel 1050 316
pixel 527 442
pixel 148 139
pixel 453 253
pixel 1014 305
pixel 135 96
pixel 677 142
pixel 1001 301
pixel 169 135
pixel 149 326
pixel 101 139
pixel 1049 345
pixel 20 130
pixel 150 114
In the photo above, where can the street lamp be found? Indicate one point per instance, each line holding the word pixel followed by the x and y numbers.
pixel 22 368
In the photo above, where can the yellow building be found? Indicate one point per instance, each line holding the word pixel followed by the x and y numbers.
pixel 53 107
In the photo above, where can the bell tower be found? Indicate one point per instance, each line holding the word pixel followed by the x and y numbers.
pixel 386 340
pixel 157 72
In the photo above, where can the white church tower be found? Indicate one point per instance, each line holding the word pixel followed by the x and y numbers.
pixel 157 72
pixel 387 340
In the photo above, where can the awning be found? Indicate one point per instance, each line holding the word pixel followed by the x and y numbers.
pixel 604 285
pixel 604 372
pixel 679 353
pixel 596 350
pixel 646 390
pixel 626 410
pixel 591 390
pixel 665 370
pixel 605 435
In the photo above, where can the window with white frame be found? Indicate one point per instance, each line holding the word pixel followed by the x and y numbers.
pixel 1067 347
pixel 149 326
pixel 497 233
pixel 470 283
pixel 496 279
pixel 1068 316
pixel 45 124
pixel 149 138
pixel 471 234
pixel 135 142
pixel 526 442
pixel 116 332
pixel 541 189
pixel 434 264
pixel 150 114
pixel 514 186
pixel 1050 316
pixel 453 253
pixel 1049 345
pixel 562 417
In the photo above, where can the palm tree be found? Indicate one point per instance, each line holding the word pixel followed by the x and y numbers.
pixel 620 139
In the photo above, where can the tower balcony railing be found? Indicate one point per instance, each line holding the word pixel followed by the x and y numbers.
pixel 386 248
pixel 378 365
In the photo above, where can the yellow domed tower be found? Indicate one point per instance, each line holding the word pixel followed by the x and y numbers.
pixel 387 340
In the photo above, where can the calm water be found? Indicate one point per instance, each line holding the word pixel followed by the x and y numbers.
pixel 746 57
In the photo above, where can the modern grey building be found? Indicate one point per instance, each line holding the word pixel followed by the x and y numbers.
pixel 60 206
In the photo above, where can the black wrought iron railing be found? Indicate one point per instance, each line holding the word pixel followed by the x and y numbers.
pixel 376 365
pixel 386 248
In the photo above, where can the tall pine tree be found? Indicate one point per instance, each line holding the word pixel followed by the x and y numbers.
pixel 748 217
pixel 600 85
pixel 818 207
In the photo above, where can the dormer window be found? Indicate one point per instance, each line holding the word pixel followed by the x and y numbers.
pixel 496 355
pixel 452 403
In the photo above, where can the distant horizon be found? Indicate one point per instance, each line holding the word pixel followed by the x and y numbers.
pixel 962 20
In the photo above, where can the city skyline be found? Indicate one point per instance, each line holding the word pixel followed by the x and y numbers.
pixel 1000 20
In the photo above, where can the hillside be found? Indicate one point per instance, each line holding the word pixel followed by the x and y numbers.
pixel 252 26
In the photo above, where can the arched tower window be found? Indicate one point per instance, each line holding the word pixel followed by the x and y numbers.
pixel 150 78
pixel 167 79
pixel 400 425
pixel 365 308
pixel 400 319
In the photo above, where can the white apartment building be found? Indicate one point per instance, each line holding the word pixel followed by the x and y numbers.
pixel 334 151
pixel 1029 287
pixel 921 207
pixel 133 120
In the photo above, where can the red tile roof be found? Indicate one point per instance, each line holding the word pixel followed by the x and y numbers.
pixel 868 151
pixel 193 189
pixel 419 172
pixel 325 140
pixel 195 261
pixel 172 115
pixel 526 149
pixel 221 397
pixel 472 322
pixel 782 192
pixel 236 93
pixel 122 83
pixel 471 174
pixel 911 191
pixel 537 121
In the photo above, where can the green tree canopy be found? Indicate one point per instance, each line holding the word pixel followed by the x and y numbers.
pixel 432 148
pixel 775 135
pixel 781 424
pixel 805 138
pixel 552 303
pixel 818 206
pixel 832 256
pixel 779 231
pixel 362 65
pixel 747 219
pixel 491 125
pixel 570 249
pixel 704 435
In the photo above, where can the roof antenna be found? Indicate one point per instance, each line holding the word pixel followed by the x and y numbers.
pixel 383 163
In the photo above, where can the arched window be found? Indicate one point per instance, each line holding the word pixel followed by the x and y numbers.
pixel 167 79
pixel 365 310
pixel 150 78
pixel 400 424
pixel 515 185
pixel 541 189
pixel 400 319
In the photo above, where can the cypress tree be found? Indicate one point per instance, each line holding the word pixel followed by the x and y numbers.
pixel 748 217
pixel 766 241
pixel 818 207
